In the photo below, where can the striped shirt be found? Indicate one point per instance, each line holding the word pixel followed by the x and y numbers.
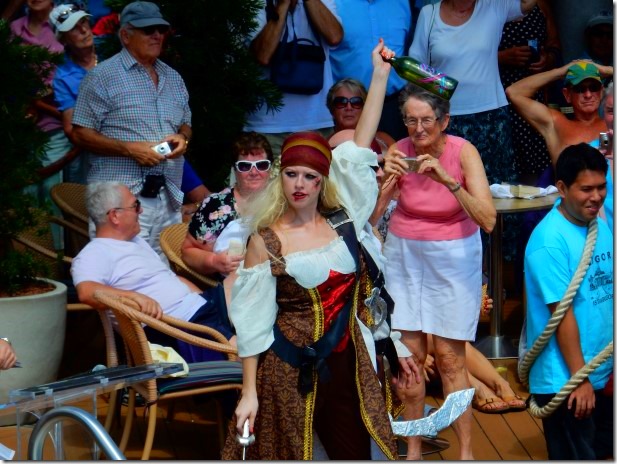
pixel 118 99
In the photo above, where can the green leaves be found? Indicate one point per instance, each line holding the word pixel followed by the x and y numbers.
pixel 21 149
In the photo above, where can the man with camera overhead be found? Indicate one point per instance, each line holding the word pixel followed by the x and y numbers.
pixel 132 115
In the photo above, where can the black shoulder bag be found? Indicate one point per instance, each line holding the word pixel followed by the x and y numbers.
pixel 298 66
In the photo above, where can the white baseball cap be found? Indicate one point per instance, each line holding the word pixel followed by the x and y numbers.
pixel 64 17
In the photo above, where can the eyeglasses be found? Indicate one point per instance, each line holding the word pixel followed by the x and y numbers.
pixel 427 123
pixel 136 206
pixel 64 15
pixel 149 30
pixel 246 166
pixel 341 102
pixel 594 86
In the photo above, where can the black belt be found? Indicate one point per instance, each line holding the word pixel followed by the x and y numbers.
pixel 313 356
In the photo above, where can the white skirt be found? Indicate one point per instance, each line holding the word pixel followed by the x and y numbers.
pixel 436 285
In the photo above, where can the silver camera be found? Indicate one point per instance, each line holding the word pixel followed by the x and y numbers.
pixel 162 148
pixel 412 164
pixel 604 140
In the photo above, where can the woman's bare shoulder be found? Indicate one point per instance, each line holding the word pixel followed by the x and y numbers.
pixel 256 252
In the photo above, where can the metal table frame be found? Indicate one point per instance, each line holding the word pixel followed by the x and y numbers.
pixel 39 399
pixel 496 345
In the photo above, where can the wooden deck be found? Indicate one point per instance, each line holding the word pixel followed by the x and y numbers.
pixel 513 436
pixel 191 432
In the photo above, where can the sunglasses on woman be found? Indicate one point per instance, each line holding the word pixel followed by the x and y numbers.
pixel 64 14
pixel 341 102
pixel 246 166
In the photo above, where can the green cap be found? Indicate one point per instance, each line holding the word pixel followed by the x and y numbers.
pixel 580 71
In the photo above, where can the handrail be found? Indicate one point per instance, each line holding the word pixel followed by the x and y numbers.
pixel 50 418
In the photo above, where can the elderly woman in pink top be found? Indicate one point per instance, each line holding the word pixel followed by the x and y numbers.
pixel 434 251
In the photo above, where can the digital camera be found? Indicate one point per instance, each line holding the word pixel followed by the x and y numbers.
pixel 153 184
pixel 412 164
pixel 604 140
pixel 162 148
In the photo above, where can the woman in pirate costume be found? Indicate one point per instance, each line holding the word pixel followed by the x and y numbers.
pixel 306 336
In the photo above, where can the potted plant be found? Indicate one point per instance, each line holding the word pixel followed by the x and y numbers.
pixel 32 310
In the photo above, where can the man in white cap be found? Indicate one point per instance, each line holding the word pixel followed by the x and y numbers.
pixel 71 25
pixel 127 106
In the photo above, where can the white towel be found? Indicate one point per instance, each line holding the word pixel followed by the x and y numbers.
pixel 503 191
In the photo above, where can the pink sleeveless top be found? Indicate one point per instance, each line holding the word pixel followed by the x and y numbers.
pixel 426 209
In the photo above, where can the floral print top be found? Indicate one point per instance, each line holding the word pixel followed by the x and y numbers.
pixel 215 212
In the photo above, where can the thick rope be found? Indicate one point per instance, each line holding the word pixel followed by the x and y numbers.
pixel 551 327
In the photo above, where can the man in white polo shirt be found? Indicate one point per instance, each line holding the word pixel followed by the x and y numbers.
pixel 119 261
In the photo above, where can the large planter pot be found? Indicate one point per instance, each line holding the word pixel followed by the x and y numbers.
pixel 35 324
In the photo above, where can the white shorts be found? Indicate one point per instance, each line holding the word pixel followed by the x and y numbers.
pixel 436 285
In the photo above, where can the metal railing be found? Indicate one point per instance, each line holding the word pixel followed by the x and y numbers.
pixel 56 415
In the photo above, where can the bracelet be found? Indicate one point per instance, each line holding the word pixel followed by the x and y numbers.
pixel 186 139
pixel 456 188
pixel 6 340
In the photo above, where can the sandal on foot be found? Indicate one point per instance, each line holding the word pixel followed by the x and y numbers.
pixel 485 405
pixel 515 403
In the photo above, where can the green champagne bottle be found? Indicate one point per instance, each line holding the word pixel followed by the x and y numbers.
pixel 423 76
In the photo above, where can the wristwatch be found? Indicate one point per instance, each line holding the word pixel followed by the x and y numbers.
pixel 6 340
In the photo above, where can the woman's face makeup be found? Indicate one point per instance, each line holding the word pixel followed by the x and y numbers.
pixel 301 185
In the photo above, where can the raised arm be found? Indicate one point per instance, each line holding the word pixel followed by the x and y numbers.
pixel 540 116
pixel 264 44
pixel 324 21
pixel 369 119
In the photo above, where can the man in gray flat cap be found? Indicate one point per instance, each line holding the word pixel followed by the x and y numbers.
pixel 132 115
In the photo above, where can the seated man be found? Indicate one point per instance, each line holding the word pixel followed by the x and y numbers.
pixel 582 427
pixel 122 263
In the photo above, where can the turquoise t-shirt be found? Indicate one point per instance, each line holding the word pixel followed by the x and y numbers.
pixel 608 202
pixel 551 258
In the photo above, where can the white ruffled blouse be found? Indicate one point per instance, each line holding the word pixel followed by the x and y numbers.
pixel 253 307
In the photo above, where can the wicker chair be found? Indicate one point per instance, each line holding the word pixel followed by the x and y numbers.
pixel 205 377
pixel 171 244
pixel 71 200
pixel 40 240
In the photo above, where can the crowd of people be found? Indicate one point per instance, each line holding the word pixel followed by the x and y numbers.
pixel 363 249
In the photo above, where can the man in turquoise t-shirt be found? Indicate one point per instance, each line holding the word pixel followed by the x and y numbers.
pixel 582 427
